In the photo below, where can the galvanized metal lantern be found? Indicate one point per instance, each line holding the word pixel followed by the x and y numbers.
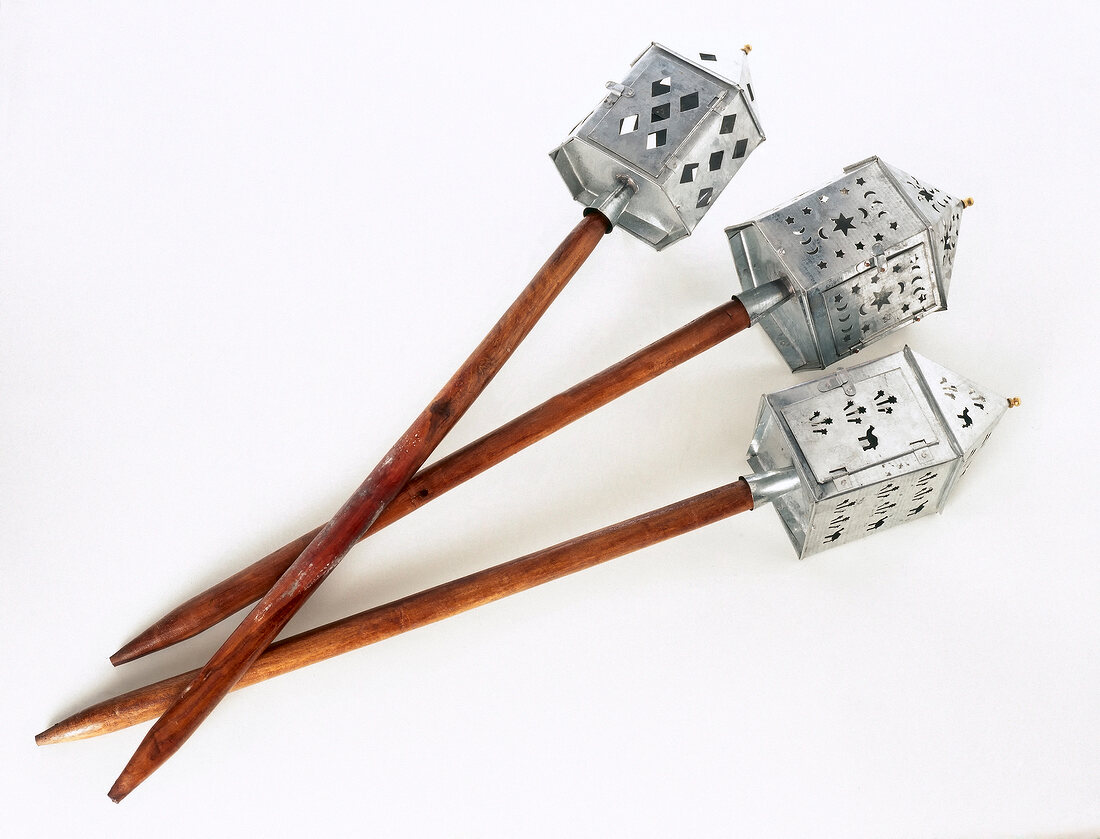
pixel 677 130
pixel 869 447
pixel 864 255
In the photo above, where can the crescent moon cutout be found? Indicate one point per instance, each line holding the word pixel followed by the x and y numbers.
pixel 869 193
pixel 865 213
pixel 815 250
pixel 821 233
pixel 807 240
pixel 861 308
pixel 882 213
pixel 845 318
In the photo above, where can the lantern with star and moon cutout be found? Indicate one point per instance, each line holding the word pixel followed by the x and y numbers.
pixel 865 255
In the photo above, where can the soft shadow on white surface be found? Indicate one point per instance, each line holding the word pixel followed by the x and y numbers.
pixel 241 247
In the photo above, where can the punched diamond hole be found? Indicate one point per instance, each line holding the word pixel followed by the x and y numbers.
pixel 628 124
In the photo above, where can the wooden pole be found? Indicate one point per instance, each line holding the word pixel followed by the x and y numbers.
pixel 237 591
pixel 421 609
pixel 326 550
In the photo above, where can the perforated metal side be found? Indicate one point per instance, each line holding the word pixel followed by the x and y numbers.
pixel 867 254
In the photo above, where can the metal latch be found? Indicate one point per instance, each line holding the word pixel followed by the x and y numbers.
pixel 879 258
pixel 617 90
pixel 838 379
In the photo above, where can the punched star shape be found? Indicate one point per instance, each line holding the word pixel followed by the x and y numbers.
pixel 882 298
pixel 843 224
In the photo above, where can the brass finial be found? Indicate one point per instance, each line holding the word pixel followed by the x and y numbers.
pixel 968 202
pixel 1014 401
pixel 746 49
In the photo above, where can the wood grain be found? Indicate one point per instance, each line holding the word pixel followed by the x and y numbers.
pixel 359 512
pixel 237 591
pixel 421 609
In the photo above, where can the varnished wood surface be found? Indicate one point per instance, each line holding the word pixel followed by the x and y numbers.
pixel 421 609
pixel 237 591
pixel 324 553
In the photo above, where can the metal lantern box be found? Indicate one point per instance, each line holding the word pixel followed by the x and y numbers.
pixel 873 446
pixel 676 129
pixel 864 255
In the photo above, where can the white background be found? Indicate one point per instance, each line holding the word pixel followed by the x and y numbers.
pixel 242 246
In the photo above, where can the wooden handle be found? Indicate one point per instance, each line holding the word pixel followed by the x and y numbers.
pixel 235 592
pixel 421 609
pixel 326 550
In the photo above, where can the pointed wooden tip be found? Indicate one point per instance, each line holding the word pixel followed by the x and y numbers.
pixel 142 645
pixel 128 781
pixel 77 727
pixel 150 754
pixel 53 734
